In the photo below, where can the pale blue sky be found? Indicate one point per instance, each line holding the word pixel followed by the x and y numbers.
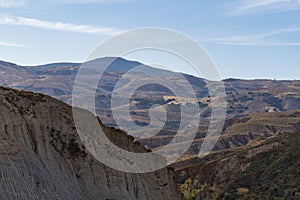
pixel 245 38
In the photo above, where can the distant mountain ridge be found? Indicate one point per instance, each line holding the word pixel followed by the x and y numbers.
pixel 244 97
pixel 52 65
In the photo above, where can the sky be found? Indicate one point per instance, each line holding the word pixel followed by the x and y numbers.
pixel 247 39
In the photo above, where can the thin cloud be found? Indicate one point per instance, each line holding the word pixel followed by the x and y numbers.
pixel 257 43
pixel 256 40
pixel 74 2
pixel 11 3
pixel 7 44
pixel 243 7
pixel 60 26
pixel 92 1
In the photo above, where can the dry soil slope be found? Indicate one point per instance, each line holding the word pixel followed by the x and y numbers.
pixel 41 157
pixel 267 169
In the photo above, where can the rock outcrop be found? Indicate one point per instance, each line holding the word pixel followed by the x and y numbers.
pixel 42 157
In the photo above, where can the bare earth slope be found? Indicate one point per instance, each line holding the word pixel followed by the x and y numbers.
pixel 267 167
pixel 41 157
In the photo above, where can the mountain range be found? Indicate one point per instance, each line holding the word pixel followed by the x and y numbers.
pixel 262 121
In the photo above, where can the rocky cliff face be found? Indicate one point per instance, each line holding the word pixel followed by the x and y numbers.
pixel 42 157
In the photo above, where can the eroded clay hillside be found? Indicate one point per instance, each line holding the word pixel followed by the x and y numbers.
pixel 42 157
pixel 261 161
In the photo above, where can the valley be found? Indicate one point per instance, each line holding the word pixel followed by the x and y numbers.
pixel 259 140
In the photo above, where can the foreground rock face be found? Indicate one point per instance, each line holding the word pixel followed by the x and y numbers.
pixel 42 157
